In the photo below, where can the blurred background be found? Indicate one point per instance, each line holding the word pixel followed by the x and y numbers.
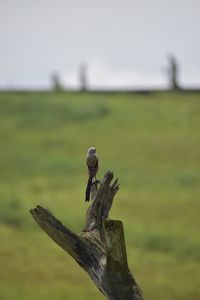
pixel 121 76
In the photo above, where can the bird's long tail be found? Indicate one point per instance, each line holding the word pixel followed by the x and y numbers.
pixel 88 188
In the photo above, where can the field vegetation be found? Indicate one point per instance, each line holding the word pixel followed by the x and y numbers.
pixel 150 142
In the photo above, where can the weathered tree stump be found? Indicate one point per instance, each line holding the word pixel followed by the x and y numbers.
pixel 100 248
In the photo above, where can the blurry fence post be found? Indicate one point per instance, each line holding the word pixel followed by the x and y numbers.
pixel 100 248
pixel 83 77
pixel 55 80
pixel 173 73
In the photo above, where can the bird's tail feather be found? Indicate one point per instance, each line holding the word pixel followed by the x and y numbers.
pixel 88 188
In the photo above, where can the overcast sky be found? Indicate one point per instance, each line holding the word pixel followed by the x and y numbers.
pixel 125 43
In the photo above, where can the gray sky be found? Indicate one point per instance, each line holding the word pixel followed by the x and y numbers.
pixel 125 43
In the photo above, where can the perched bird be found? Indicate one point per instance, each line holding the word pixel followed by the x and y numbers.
pixel 92 164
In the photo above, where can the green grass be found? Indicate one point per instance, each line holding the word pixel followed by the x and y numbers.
pixel 152 143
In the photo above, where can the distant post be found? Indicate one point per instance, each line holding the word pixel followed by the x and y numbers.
pixel 173 73
pixel 55 81
pixel 83 77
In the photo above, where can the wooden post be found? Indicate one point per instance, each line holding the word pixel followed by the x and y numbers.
pixel 100 248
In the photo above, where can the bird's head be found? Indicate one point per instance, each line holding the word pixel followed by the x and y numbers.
pixel 91 151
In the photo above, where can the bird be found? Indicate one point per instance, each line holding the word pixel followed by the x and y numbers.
pixel 93 166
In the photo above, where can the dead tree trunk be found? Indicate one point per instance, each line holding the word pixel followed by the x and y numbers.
pixel 100 248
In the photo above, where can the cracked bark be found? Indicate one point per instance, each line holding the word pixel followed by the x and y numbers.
pixel 100 248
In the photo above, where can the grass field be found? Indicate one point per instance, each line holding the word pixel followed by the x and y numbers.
pixel 152 143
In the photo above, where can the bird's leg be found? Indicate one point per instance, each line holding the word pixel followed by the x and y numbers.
pixel 97 181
